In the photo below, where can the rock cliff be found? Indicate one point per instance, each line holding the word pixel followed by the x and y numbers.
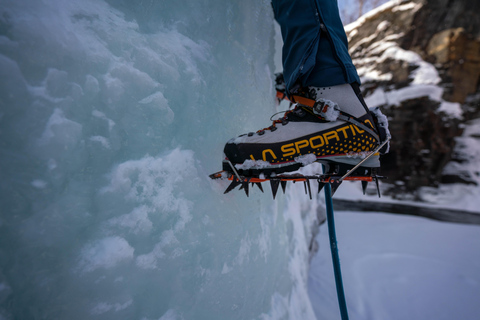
pixel 419 60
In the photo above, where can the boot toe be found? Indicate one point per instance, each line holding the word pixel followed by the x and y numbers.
pixel 232 152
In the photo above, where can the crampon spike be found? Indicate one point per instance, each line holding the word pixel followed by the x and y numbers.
pixel 245 186
pixel 307 186
pixel 274 184
pixel 259 185
pixel 333 180
pixel 320 185
pixel 364 186
pixel 284 186
pixel 232 186
pixel 378 187
pixel 334 183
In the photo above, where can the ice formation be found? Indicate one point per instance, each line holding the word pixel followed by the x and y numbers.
pixel 112 115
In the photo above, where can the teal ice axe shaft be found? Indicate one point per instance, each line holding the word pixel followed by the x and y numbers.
pixel 334 249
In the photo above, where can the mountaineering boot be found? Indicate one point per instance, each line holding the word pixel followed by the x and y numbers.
pixel 330 125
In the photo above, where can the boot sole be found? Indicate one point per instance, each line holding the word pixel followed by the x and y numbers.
pixel 343 163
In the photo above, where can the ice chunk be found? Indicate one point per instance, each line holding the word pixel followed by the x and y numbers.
pixel 57 84
pixel 102 115
pixel 105 253
pixel 136 221
pixel 170 315
pixel 92 86
pixel 103 307
pixel 158 102
pixel 39 184
pixel 102 140
pixel 60 132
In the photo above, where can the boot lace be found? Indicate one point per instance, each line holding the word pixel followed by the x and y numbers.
pixel 283 121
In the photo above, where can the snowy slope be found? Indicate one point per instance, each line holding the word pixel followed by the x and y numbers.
pixel 399 267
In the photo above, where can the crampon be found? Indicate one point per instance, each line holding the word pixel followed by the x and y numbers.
pixel 334 174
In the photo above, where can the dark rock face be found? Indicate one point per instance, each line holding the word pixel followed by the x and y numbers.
pixel 447 33
pixel 419 61
pixel 422 143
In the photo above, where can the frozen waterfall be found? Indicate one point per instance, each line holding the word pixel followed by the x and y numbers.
pixel 112 115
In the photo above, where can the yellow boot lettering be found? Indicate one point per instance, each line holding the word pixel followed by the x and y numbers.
pixel 353 130
pixel 320 142
pixel 288 150
pixel 331 135
pixel 370 123
pixel 359 130
pixel 264 154
pixel 301 144
pixel 344 130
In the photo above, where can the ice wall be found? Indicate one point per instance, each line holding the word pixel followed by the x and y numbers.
pixel 112 115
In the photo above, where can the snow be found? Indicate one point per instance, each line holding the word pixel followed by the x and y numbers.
pixel 453 109
pixel 424 79
pixel 395 97
pixel 328 109
pixel 425 73
pixel 306 159
pixel 248 164
pixel 398 267
pixel 382 119
pixel 394 5
pixel 455 196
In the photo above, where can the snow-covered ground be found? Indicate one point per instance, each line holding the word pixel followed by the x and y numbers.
pixel 455 197
pixel 398 268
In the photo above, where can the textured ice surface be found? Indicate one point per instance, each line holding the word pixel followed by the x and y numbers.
pixel 112 115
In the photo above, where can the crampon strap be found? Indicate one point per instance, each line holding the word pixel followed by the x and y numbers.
pixel 343 116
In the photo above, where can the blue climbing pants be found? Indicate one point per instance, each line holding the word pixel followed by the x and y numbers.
pixel 315 46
